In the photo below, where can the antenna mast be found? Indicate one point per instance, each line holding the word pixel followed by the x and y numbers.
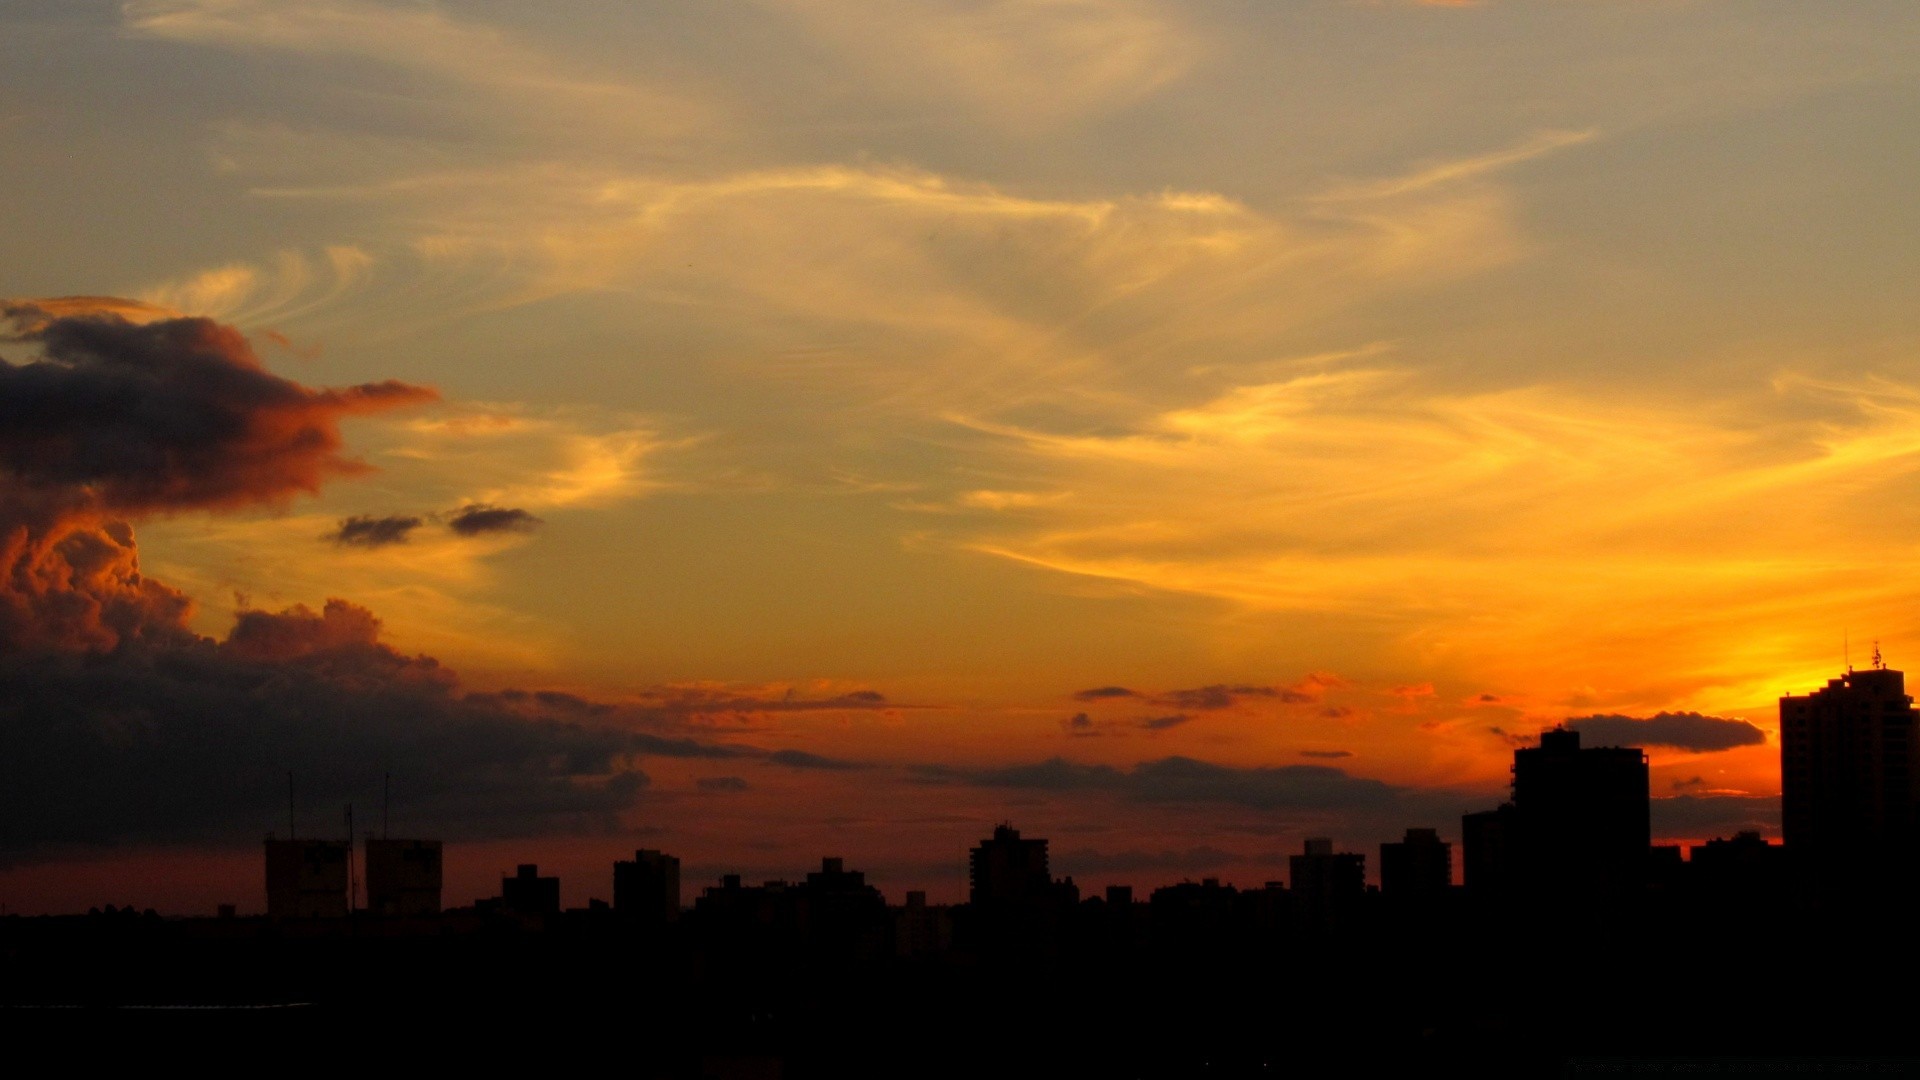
pixel 353 878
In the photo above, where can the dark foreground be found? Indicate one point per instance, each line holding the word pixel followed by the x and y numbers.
pixel 1660 990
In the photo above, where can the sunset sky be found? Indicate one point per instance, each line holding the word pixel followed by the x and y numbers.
pixel 787 428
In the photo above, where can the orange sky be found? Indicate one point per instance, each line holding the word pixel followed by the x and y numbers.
pixel 1431 373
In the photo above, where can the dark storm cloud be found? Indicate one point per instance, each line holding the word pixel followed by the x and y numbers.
pixel 114 420
pixel 1106 693
pixel 119 724
pixel 374 532
pixel 480 519
pixel 193 742
pixel 1706 816
pixel 126 418
pixel 1684 731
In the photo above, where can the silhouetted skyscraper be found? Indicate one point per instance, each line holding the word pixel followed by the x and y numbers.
pixel 1585 814
pixel 1007 871
pixel 307 878
pixel 1579 823
pixel 1323 878
pixel 647 888
pixel 403 876
pixel 1847 772
pixel 1419 867
pixel 530 894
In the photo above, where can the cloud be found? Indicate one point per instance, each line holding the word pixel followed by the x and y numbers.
pixel 163 416
pixel 709 700
pixel 479 519
pixel 1162 723
pixel 1023 64
pixel 488 71
pixel 719 784
pixel 1326 753
pixel 1700 816
pixel 192 740
pixel 800 759
pixel 116 420
pixel 373 532
pixel 1221 695
pixel 1457 170
pixel 1188 780
pixel 1079 724
pixel 1685 731
pixel 123 725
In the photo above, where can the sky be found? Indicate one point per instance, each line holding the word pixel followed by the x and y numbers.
pixel 791 428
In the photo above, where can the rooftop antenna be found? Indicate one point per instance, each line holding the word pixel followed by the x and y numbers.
pixel 353 878
pixel 1846 650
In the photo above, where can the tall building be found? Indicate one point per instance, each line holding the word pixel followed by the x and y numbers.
pixel 403 876
pixel 648 888
pixel 527 893
pixel 1325 880
pixel 1008 871
pixel 307 878
pixel 1847 772
pixel 1419 867
pixel 1579 824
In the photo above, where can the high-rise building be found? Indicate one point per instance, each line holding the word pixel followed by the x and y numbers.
pixel 527 893
pixel 1419 867
pixel 648 888
pixel 1008 871
pixel 403 876
pixel 1847 773
pixel 307 878
pixel 1579 823
pixel 1325 880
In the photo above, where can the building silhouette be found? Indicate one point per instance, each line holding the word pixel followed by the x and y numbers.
pixel 1578 825
pixel 527 893
pixel 1847 774
pixel 647 889
pixel 1326 883
pixel 1008 871
pixel 307 878
pixel 1419 867
pixel 1486 857
pixel 403 876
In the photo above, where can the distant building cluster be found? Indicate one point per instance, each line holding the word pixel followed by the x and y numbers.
pixel 1575 830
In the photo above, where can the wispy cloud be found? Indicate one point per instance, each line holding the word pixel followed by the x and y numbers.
pixel 1024 64
pixel 423 39
pixel 1457 170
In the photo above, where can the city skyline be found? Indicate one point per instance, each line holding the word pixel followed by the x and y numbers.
pixel 1184 429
